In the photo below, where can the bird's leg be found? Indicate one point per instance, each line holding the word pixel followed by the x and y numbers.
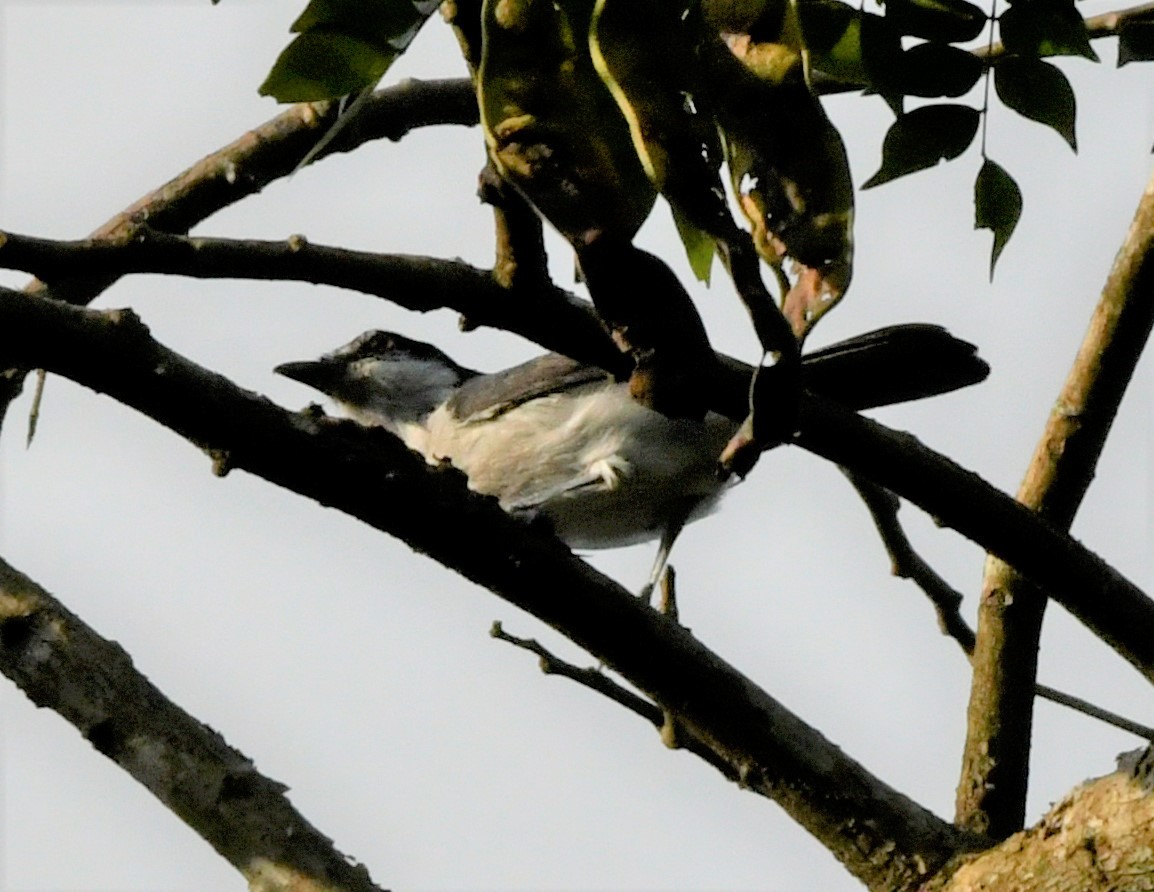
pixel 668 536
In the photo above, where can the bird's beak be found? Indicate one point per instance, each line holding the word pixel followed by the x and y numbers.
pixel 320 374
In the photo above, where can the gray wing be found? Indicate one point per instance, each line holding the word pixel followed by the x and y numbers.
pixel 487 396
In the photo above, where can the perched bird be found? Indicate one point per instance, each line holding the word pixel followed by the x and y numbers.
pixel 556 437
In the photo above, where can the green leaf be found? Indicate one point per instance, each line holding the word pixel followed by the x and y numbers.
pixel 699 246
pixel 1039 91
pixel 921 138
pixel 997 206
pixel 343 46
pixel 852 46
pixel 382 22
pixel 1135 42
pixel 1045 28
pixel 324 64
pixel 832 32
pixel 937 69
pixel 948 21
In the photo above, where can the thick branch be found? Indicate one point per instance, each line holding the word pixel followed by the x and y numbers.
pixel 883 838
pixel 61 663
pixel 1100 836
pixel 541 312
pixel 995 766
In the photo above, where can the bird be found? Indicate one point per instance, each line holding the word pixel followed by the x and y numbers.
pixel 562 439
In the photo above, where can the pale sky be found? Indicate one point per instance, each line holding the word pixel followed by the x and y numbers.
pixel 362 675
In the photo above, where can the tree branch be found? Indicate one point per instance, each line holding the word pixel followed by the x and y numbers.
pixel 61 663
pixel 992 788
pixel 598 682
pixel 1111 606
pixel 1108 24
pixel 1100 836
pixel 906 563
pixel 545 314
pixel 882 837
pixel 248 164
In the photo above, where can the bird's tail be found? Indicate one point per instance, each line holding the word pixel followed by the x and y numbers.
pixel 893 365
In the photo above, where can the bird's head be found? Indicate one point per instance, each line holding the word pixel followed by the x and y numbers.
pixel 382 378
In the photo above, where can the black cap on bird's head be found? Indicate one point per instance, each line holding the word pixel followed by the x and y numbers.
pixel 382 377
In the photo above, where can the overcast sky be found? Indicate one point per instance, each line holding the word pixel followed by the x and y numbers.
pixel 362 675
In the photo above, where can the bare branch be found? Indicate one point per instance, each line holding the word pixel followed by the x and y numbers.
pixel 597 681
pixel 906 563
pixel 591 678
pixel 543 313
pixel 883 506
pixel 61 663
pixel 992 788
pixel 1111 606
pixel 269 152
pixel 1097 712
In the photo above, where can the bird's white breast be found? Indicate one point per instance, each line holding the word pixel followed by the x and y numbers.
pixel 605 470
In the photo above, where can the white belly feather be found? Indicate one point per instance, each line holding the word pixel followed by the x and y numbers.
pixel 605 470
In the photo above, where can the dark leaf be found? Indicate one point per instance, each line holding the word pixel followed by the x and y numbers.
pixel 852 46
pixel 1039 91
pixel 948 21
pixel 923 137
pixel 382 22
pixel 1135 42
pixel 344 46
pixel 881 49
pixel 824 23
pixel 322 64
pixel 832 32
pixel 1045 28
pixel 937 69
pixel 997 206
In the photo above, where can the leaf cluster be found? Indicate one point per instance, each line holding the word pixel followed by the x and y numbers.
pixel 911 49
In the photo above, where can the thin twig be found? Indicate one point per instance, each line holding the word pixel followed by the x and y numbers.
pixel 906 563
pixel 589 677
